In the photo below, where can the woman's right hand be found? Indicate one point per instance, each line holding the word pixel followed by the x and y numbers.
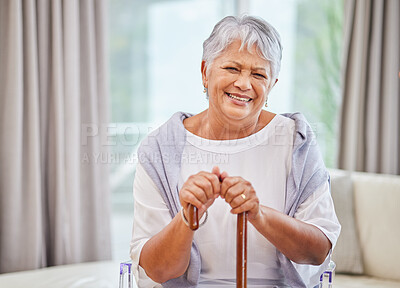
pixel 200 190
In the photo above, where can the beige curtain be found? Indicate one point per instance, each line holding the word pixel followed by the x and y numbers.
pixel 370 120
pixel 54 204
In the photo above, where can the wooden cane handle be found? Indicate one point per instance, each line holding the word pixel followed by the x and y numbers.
pixel 193 217
pixel 241 251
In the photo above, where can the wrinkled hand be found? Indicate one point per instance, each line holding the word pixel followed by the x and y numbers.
pixel 200 190
pixel 240 195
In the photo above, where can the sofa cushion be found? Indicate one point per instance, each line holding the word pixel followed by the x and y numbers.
pixel 102 274
pixel 377 210
pixel 347 253
pixel 347 281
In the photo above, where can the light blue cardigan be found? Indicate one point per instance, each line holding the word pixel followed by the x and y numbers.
pixel 160 155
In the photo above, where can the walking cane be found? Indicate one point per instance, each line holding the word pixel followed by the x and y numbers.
pixel 193 217
pixel 241 243
pixel 241 251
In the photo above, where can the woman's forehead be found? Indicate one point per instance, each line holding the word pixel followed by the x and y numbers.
pixel 236 47
pixel 237 53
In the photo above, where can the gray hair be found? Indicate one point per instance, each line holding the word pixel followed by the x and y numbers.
pixel 250 30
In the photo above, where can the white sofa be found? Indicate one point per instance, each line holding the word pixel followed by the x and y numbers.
pixel 368 251
pixel 103 274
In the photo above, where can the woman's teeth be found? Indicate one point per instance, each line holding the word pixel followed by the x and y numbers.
pixel 238 98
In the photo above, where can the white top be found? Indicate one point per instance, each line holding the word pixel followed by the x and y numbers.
pixel 264 159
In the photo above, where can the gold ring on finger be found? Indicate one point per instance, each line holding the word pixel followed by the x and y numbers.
pixel 243 196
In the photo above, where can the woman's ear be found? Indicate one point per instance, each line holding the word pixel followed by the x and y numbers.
pixel 273 84
pixel 204 74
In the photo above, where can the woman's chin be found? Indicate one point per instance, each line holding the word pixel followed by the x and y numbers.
pixel 237 113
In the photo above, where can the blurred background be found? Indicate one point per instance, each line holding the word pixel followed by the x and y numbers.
pixel 82 82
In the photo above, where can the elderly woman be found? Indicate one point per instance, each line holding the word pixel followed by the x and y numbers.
pixel 233 157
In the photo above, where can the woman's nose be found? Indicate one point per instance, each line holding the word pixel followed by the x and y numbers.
pixel 243 82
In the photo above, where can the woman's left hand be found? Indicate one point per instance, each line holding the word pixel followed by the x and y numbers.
pixel 240 195
pixel 301 242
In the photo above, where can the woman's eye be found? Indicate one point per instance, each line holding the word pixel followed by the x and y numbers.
pixel 258 75
pixel 232 69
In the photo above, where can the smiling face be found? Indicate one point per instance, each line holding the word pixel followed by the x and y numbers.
pixel 238 84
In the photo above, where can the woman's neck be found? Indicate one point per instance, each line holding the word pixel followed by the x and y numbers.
pixel 210 126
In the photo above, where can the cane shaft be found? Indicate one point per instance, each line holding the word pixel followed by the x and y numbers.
pixel 193 217
pixel 241 251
